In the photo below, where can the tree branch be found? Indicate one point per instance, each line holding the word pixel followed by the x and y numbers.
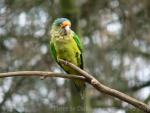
pixel 85 77
pixel 106 90
pixel 43 74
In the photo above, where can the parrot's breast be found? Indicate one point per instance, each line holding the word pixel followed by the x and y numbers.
pixel 68 50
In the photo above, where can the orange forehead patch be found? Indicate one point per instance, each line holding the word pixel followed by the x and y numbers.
pixel 65 23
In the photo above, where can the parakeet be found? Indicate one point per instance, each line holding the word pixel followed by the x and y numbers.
pixel 65 44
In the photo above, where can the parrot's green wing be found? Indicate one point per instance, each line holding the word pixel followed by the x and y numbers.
pixel 53 51
pixel 80 46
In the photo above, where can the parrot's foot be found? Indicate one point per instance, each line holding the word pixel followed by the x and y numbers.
pixel 66 62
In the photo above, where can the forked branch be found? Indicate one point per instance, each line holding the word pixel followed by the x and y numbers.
pixel 85 77
pixel 106 90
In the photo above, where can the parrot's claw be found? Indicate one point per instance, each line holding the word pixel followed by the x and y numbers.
pixel 66 62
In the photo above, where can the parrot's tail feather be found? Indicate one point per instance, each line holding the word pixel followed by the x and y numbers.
pixel 82 94
pixel 80 86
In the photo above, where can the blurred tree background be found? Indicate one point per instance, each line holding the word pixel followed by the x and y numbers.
pixel 116 37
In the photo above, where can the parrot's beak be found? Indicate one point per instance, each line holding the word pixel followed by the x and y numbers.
pixel 67 29
pixel 66 26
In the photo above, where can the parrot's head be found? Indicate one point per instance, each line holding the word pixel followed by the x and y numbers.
pixel 62 26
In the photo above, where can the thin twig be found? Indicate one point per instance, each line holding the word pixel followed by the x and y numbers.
pixel 40 74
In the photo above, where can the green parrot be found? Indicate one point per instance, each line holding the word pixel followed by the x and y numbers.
pixel 65 44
